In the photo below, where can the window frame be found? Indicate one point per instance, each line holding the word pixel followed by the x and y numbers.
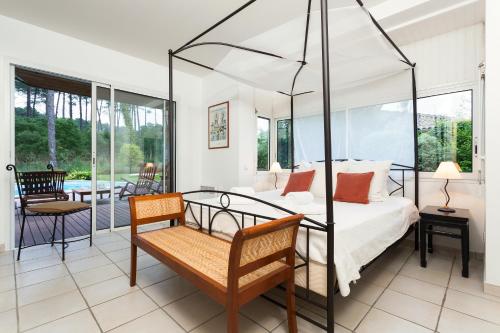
pixel 476 115
pixel 268 146
pixel 477 130
pixel 275 143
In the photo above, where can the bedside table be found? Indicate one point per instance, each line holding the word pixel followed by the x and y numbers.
pixel 430 217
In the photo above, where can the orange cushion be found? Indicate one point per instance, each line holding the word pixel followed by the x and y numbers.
pixel 353 187
pixel 299 182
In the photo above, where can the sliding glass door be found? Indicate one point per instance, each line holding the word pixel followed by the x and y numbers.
pixel 102 187
pixel 131 152
pixel 139 150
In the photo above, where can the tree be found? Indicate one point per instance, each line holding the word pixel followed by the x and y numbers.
pixel 51 127
pixel 131 156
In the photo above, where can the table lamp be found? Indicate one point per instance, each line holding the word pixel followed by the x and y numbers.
pixel 275 168
pixel 447 170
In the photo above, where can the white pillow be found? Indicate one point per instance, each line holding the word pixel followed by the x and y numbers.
pixel 378 186
pixel 318 185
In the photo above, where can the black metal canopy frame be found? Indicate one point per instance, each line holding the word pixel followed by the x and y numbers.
pixel 326 116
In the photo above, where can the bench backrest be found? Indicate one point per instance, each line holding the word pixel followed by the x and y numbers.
pixel 155 208
pixel 255 247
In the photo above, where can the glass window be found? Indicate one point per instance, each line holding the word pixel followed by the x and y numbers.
pixel 283 143
pixel 263 139
pixel 445 130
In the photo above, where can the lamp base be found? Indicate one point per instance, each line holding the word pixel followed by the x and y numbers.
pixel 446 210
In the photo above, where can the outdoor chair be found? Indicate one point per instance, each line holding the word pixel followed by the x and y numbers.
pixel 144 184
pixel 41 193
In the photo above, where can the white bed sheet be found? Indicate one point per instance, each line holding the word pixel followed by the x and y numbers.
pixel 362 232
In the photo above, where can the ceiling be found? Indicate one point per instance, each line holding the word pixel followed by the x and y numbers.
pixel 150 29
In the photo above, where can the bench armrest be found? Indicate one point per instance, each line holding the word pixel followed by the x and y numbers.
pixel 255 247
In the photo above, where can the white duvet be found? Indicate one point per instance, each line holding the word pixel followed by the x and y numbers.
pixel 362 232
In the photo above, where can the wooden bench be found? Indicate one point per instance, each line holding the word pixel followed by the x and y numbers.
pixel 232 273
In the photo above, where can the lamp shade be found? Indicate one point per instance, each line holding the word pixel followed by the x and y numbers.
pixel 275 168
pixel 447 170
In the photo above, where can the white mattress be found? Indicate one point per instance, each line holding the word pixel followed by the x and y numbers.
pixel 362 232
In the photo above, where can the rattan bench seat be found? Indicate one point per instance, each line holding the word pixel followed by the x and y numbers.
pixel 57 207
pixel 206 254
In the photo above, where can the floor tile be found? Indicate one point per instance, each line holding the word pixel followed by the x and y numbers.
pixel 37 252
pixel 379 277
pixel 170 290
pixel 80 322
pixel 421 312
pixel 87 263
pixel 349 312
pixel 7 300
pixel 427 275
pixel 423 290
pixel 41 275
pixel 7 283
pixel 50 309
pixel 193 310
pixel 219 324
pixel 155 322
pixel 381 322
pixel 122 254
pixel 98 274
pixel 474 306
pixel 115 245
pixel 304 326
pixel 8 322
pixel 267 314
pixel 6 258
pixel 106 237
pixel 106 290
pixel 456 322
pixel 73 246
pixel 6 270
pixel 122 310
pixel 33 264
pixel 153 274
pixel 142 262
pixel 40 291
pixel 86 252
pixel 366 292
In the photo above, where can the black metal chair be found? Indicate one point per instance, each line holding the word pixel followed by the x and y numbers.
pixel 41 193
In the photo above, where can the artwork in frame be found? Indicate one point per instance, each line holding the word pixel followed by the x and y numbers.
pixel 218 126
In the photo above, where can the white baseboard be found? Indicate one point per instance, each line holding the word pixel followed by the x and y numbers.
pixel 492 289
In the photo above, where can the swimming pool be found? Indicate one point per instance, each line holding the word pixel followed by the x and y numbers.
pixel 70 185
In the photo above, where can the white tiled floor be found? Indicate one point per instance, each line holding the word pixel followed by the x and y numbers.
pixel 90 293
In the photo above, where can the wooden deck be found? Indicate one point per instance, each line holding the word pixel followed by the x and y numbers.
pixel 38 229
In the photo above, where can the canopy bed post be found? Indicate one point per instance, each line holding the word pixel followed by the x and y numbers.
pixel 171 179
pixel 415 131
pixel 330 321
pixel 292 139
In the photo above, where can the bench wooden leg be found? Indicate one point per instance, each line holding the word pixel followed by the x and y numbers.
pixel 232 318
pixel 133 264
pixel 290 305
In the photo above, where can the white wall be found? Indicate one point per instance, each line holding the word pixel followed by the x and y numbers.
pixel 492 263
pixel 31 46
pixel 236 165
pixel 447 63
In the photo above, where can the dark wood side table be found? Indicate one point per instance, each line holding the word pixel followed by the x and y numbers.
pixel 431 217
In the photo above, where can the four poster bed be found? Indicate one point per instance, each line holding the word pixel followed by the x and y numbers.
pixel 331 251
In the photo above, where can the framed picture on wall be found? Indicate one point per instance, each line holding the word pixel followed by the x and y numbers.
pixel 218 126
